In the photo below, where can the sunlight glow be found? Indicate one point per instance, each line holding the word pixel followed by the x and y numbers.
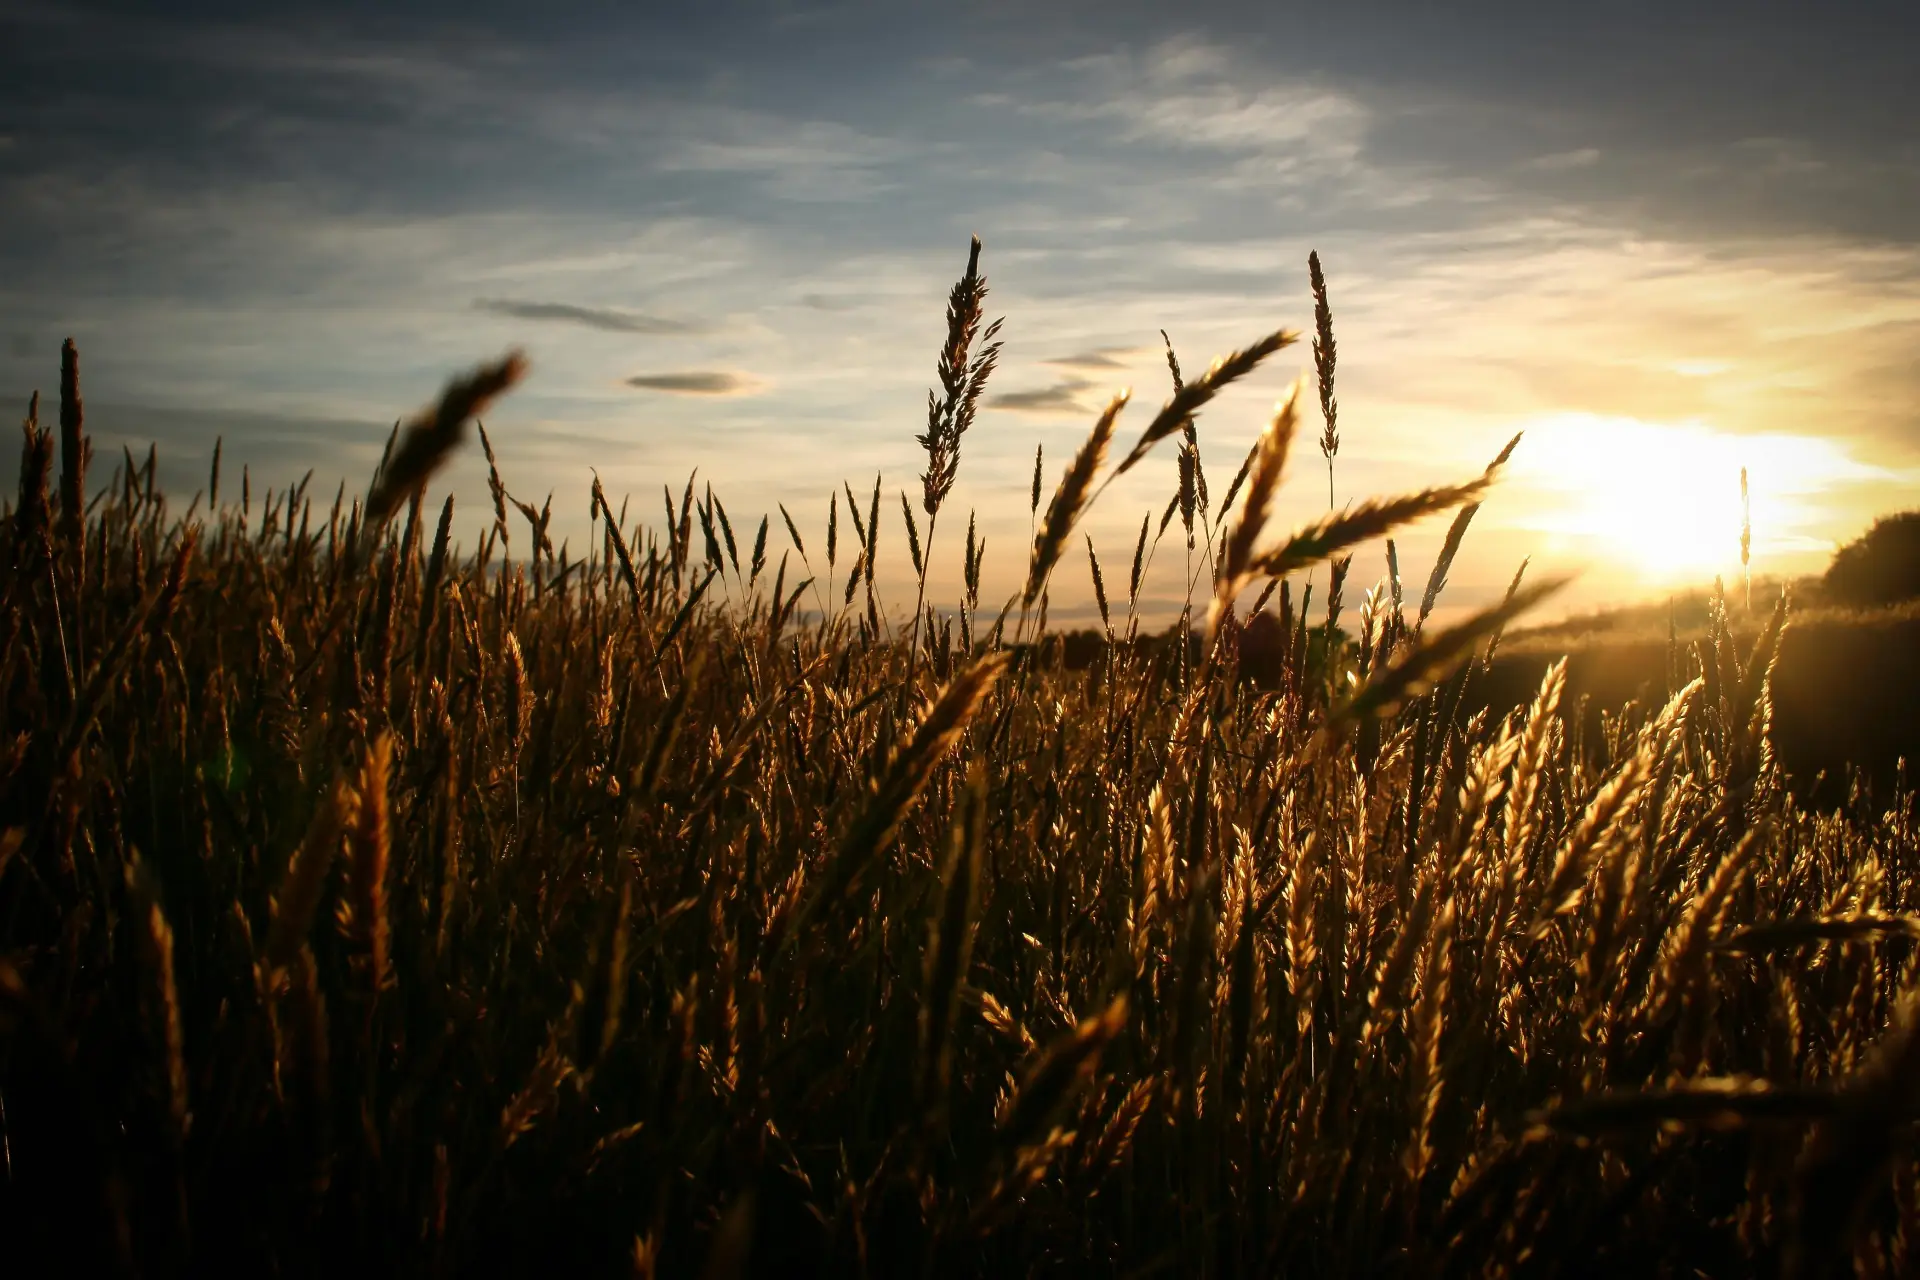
pixel 1664 498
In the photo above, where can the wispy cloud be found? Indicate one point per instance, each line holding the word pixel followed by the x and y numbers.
pixel 606 318
pixel 1190 94
pixel 1098 359
pixel 698 382
pixel 810 161
pixel 1059 399
pixel 1579 158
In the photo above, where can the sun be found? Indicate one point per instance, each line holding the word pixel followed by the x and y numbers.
pixel 1664 499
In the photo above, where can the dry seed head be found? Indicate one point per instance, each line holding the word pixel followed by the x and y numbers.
pixel 31 518
pixel 370 839
pixel 308 1006
pixel 899 786
pixel 157 944
pixel 1058 1073
pixel 1712 1101
pixel 1428 1025
pixel 976 551
pixel 1268 467
pixel 1099 586
pixel 1070 499
pixel 950 949
pixel 518 693
pixel 1600 827
pixel 913 532
pixel 1784 935
pixel 1324 358
pixel 962 383
pixel 1371 519
pixel 540 1091
pixel 1450 547
pixel 1116 1137
pixel 452 835
pixel 74 453
pixel 432 436
pixel 1530 763
pixel 1139 557
pixel 1001 1019
pixel 1684 961
pixel 872 531
pixel 1189 398
pixel 1189 497
pixel 300 890
pixel 1486 783
pixel 1416 669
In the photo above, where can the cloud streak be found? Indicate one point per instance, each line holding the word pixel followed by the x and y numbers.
pixel 1097 360
pixel 1060 399
pixel 697 382
pixel 605 319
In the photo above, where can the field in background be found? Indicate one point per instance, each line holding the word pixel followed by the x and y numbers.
pixel 368 902
pixel 1844 686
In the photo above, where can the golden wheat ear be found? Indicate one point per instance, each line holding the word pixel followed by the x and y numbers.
pixel 1058 1073
pixel 1450 546
pixel 1070 500
pixel 1189 398
pixel 899 787
pixel 1429 661
pixel 1714 1101
pixel 369 841
pixel 1851 1157
pixel 1372 519
pixel 950 944
pixel 1265 467
pixel 299 895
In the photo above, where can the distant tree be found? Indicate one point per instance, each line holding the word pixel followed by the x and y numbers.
pixel 1881 566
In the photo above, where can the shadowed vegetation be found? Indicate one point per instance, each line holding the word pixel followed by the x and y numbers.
pixel 1881 566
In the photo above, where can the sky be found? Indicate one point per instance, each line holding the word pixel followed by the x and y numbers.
pixel 1666 241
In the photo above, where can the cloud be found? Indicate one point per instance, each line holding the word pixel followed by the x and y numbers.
pixel 697 382
pixel 1192 95
pixel 809 161
pixel 1060 398
pixel 1099 358
pixel 605 318
pixel 1580 158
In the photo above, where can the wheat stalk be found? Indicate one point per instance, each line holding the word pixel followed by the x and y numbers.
pixel 432 436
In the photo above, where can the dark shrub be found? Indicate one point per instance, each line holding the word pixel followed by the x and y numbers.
pixel 1881 566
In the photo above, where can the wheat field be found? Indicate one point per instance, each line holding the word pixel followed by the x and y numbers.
pixel 370 904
